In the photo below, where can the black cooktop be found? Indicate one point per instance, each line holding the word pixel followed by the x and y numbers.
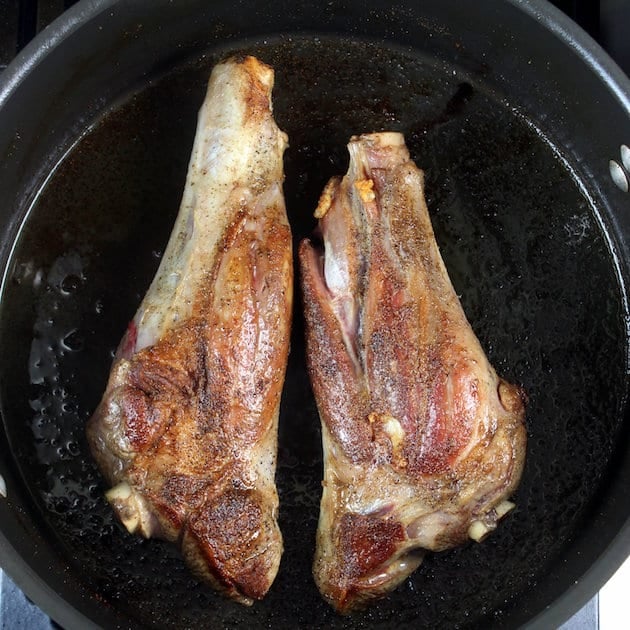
pixel 607 21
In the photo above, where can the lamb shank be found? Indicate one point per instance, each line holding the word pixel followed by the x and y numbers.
pixel 186 432
pixel 423 442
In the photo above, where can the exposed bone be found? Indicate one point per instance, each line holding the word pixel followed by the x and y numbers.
pixel 131 520
pixel 478 530
pixel 123 496
pixel 503 508
pixel 389 425
pixel 119 492
pixel 394 430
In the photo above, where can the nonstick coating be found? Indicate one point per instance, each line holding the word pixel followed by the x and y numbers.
pixel 525 247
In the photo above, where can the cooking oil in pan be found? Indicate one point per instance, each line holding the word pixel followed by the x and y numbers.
pixel 523 248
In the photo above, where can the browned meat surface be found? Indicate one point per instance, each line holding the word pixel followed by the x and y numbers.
pixel 186 433
pixel 423 442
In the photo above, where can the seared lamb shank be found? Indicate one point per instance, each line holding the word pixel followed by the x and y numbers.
pixel 186 432
pixel 423 442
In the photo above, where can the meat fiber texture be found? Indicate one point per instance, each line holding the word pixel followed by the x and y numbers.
pixel 423 442
pixel 186 432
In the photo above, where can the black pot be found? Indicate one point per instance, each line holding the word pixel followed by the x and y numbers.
pixel 514 114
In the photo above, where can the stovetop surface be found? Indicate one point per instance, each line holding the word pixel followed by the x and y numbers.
pixel 607 21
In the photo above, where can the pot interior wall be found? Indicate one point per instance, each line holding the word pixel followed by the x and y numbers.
pixel 525 247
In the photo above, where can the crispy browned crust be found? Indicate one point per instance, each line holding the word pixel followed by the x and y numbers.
pixel 202 396
pixel 417 425
pixel 186 432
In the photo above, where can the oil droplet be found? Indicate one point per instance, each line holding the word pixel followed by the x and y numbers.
pixel 66 273
pixel 59 392
pixel 40 365
pixel 70 284
pixel 72 341
pixel 67 407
